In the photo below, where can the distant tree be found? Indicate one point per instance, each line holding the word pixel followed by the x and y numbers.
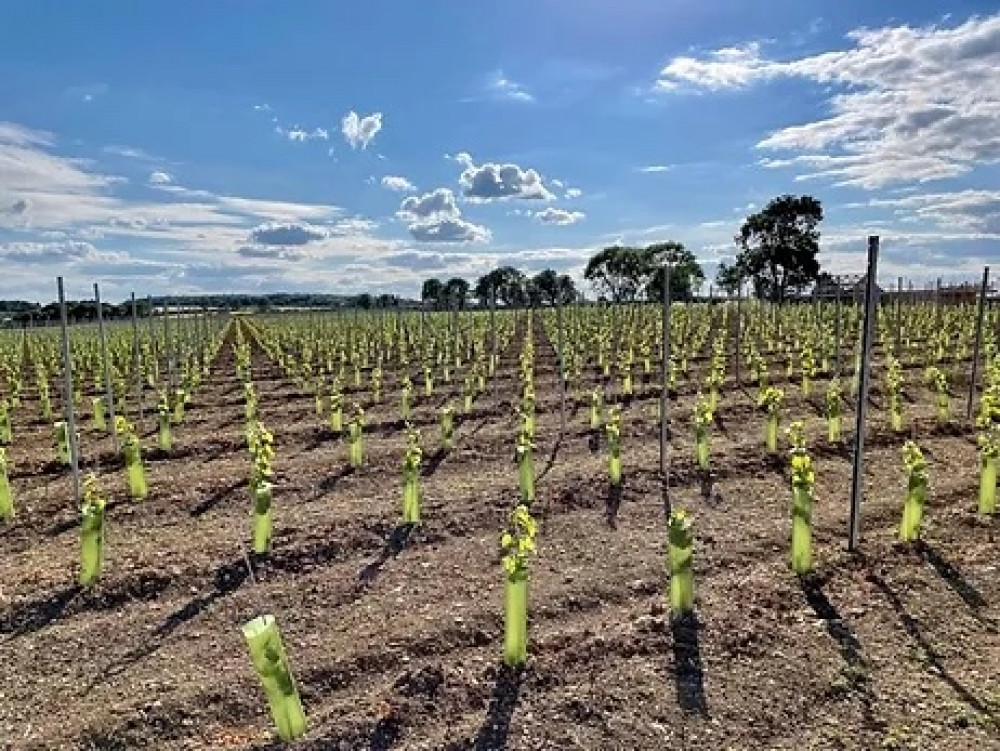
pixel 547 285
pixel 686 274
pixel 363 301
pixel 728 278
pixel 567 292
pixel 617 272
pixel 431 290
pixel 778 246
pixel 507 282
pixel 455 292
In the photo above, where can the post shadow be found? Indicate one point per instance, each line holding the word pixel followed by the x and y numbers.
pixel 613 502
pixel 951 576
pixel 394 545
pixel 689 673
pixel 431 465
pixel 933 658
pixel 495 730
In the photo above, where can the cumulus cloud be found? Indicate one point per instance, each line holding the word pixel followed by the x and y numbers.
pixel 448 230
pixel 435 217
pixel 360 131
pixel 553 215
pixel 287 233
pixel 398 183
pixel 160 178
pixel 439 201
pixel 907 104
pixel 489 181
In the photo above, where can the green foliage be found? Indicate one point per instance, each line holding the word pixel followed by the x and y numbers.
pixel 779 244
pixel 517 543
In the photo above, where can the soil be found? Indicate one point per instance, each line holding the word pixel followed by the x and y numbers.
pixel 395 633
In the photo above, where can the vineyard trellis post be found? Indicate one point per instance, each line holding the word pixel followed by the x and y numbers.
pixel 665 385
pixel 977 344
pixel 838 326
pixel 136 359
pixel 108 388
pixel 494 364
pixel 937 303
pixel 899 318
pixel 68 409
pixel 560 364
pixel 736 346
pixel 861 413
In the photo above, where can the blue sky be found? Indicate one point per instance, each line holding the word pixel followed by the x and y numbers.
pixel 265 146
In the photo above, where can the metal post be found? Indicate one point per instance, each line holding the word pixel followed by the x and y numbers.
pixel 739 307
pixel 937 303
pixel 494 364
pixel 899 319
pixel 561 363
pixel 871 311
pixel 68 410
pixel 137 358
pixel 108 388
pixel 665 381
pixel 978 343
pixel 838 325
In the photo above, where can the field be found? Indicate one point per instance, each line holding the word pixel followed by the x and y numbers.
pixel 395 632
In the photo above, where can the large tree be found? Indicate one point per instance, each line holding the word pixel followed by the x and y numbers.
pixel 686 274
pixel 431 291
pixel 455 292
pixel 552 287
pixel 506 281
pixel 779 244
pixel 618 272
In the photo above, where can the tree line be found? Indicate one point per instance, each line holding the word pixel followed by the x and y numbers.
pixel 776 254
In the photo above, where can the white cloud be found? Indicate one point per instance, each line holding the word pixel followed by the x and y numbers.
pixel 398 183
pixel 501 87
pixel 298 134
pixel 908 104
pixel 655 168
pixel 975 211
pixel 360 131
pixel 572 193
pixel 487 182
pixel 727 68
pixel 272 253
pixel 55 252
pixel 553 215
pixel 286 233
pixel 26 166
pixel 160 178
pixel 435 217
pixel 447 229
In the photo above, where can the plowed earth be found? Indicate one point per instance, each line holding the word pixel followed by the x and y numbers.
pixel 395 634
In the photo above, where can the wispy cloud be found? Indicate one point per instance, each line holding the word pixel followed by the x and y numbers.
pixel 500 86
pixel 655 168
pixel 908 104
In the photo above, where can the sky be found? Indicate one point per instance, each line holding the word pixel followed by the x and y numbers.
pixel 186 147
